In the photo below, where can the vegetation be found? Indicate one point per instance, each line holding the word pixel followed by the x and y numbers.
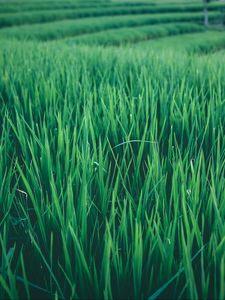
pixel 197 42
pixel 112 159
pixel 67 28
pixel 133 35
pixel 11 19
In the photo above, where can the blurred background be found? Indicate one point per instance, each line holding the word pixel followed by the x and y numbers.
pixel 192 25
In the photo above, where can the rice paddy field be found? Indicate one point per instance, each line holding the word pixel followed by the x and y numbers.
pixel 112 149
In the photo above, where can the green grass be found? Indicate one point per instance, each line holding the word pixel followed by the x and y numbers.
pixel 197 42
pixel 112 168
pixel 44 5
pixel 67 28
pixel 18 6
pixel 10 19
pixel 123 36
pixel 112 159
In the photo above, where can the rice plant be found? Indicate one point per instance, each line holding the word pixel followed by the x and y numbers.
pixel 56 14
pixel 112 173
pixel 128 35
pixel 112 159
pixel 69 28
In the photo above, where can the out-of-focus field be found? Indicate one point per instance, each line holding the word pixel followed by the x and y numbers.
pixel 112 150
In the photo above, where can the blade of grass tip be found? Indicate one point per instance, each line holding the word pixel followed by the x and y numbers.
pixel 164 286
pixel 134 141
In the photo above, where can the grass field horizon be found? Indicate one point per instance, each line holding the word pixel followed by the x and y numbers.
pixel 112 150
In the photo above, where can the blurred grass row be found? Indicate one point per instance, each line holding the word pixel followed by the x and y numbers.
pixel 10 19
pixel 68 28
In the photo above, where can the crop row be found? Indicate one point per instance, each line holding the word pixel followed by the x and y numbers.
pixel 20 6
pixel 137 34
pixel 10 19
pixel 61 29
pixel 198 42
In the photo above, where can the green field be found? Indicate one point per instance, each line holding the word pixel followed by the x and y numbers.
pixel 112 150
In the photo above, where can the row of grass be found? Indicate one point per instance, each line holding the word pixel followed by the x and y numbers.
pixel 45 5
pixel 112 173
pixel 202 43
pixel 134 35
pixel 61 29
pixel 12 19
pixel 19 6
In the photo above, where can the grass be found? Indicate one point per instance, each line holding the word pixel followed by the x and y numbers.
pixel 204 42
pixel 133 35
pixel 29 17
pixel 18 6
pixel 46 5
pixel 67 28
pixel 112 159
pixel 99 216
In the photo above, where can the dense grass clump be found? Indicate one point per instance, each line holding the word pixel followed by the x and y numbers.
pixel 112 173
